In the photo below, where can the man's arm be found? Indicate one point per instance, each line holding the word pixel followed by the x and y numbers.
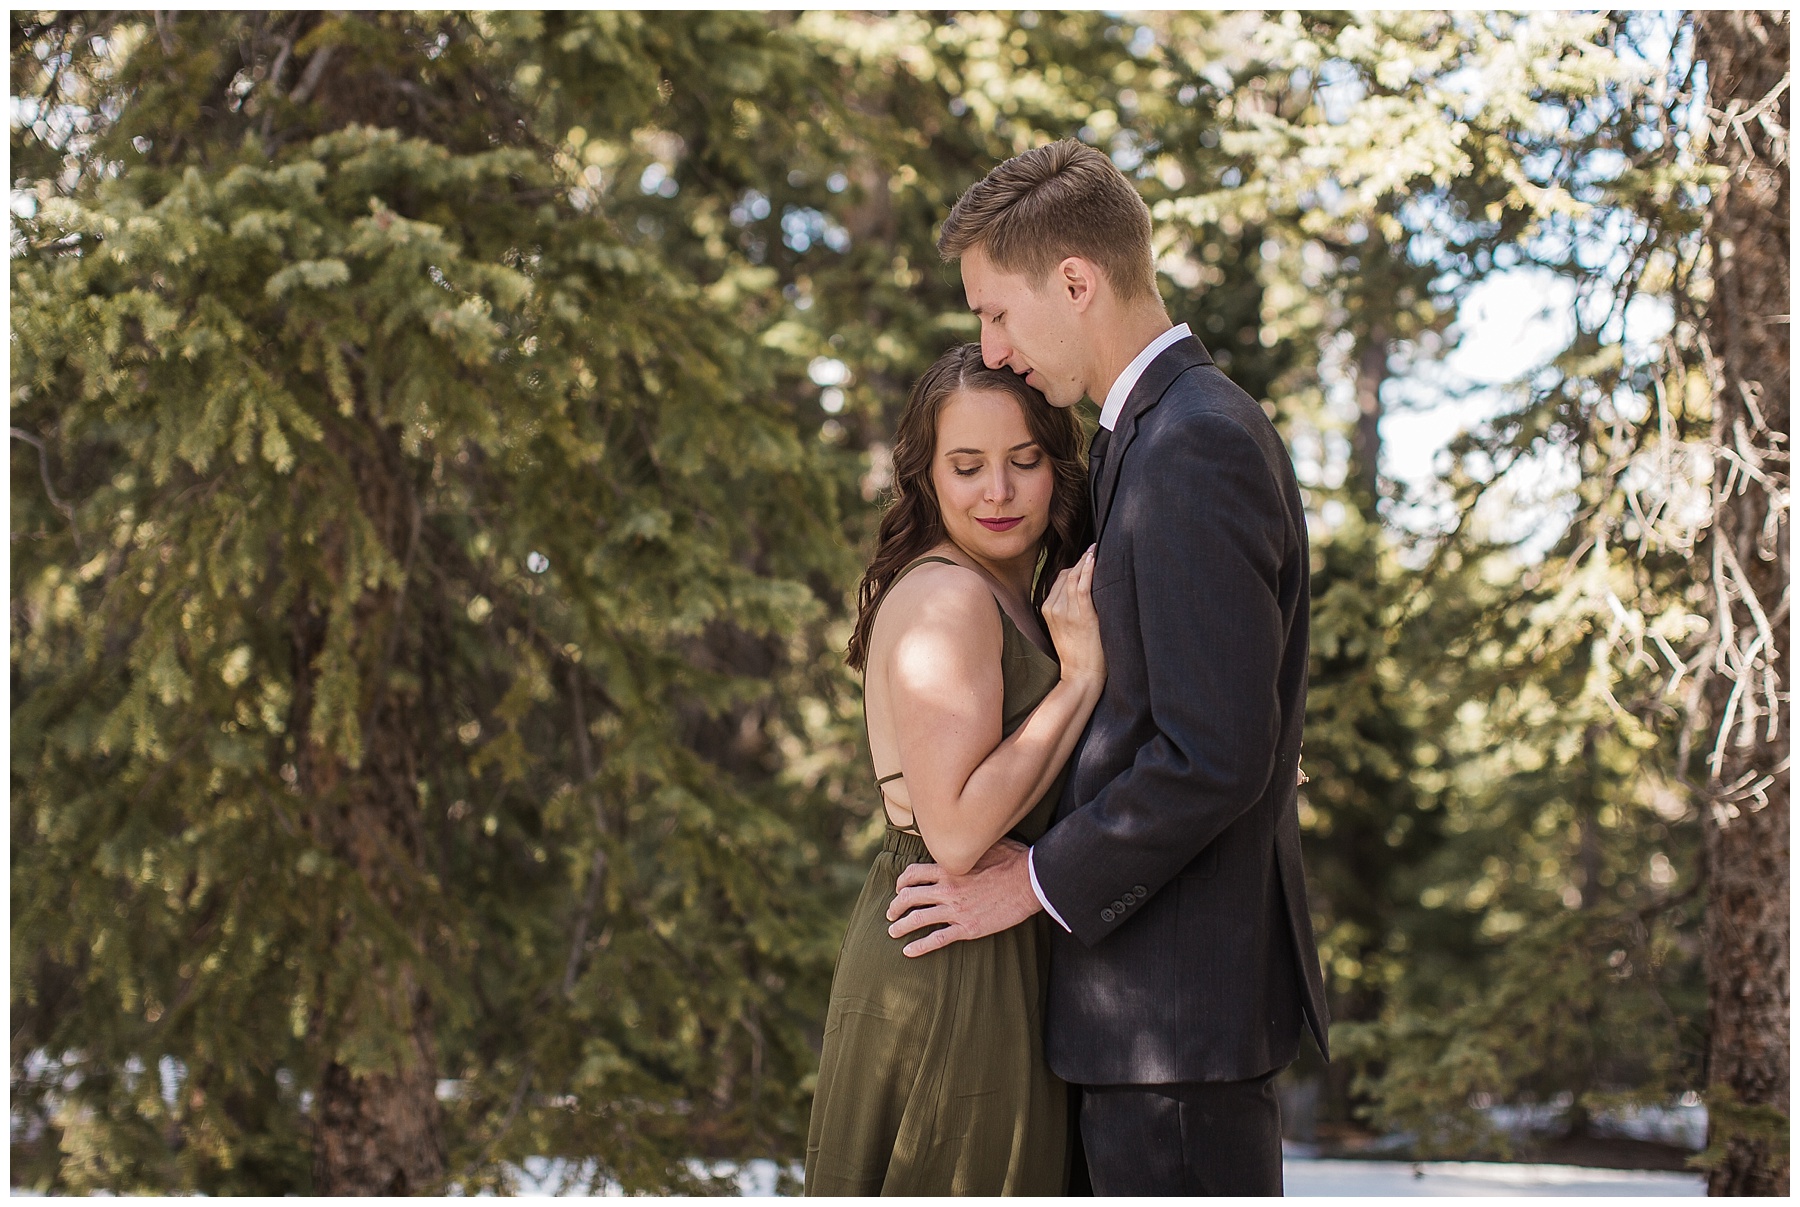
pixel 1037 890
pixel 994 896
pixel 1210 531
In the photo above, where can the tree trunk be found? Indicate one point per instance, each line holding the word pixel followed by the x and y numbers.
pixel 375 1131
pixel 1365 439
pixel 1746 813
pixel 377 1125
pixel 380 1133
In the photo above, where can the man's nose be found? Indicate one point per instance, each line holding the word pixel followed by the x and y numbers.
pixel 995 352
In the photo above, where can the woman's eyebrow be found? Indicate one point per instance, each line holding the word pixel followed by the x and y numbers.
pixel 976 452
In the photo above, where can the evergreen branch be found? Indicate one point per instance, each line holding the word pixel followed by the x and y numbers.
pixel 1664 904
pixel 44 473
pixel 506 1121
pixel 590 900
pixel 392 645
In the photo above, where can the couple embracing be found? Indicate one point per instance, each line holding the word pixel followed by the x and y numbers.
pixel 1083 952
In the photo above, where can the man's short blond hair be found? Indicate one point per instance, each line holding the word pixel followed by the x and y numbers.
pixel 1056 201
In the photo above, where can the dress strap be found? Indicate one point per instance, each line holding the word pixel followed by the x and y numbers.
pixel 933 557
pixel 912 829
pixel 920 561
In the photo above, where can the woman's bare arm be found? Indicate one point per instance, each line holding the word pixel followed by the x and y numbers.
pixel 966 786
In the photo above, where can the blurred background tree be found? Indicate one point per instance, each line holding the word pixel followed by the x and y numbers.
pixel 407 685
pixel 1468 715
pixel 444 447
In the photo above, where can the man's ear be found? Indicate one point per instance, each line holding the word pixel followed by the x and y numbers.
pixel 1079 280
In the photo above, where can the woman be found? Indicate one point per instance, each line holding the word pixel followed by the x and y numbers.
pixel 932 1079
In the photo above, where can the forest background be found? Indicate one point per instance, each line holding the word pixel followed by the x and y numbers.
pixel 445 445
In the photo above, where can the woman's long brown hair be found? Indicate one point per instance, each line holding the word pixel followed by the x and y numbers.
pixel 912 523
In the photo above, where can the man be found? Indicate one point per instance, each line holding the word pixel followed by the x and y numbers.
pixel 1184 967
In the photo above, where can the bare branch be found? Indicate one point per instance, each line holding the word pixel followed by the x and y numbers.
pixel 309 79
pixel 49 490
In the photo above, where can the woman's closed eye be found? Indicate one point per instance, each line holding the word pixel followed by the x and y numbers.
pixel 972 470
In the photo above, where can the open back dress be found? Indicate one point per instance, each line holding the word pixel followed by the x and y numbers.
pixel 932 1080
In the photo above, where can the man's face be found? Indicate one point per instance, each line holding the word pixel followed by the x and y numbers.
pixel 1034 330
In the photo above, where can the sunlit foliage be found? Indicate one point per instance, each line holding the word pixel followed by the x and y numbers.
pixel 444 447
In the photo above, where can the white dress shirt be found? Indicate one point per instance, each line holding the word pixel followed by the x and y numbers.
pixel 1109 416
pixel 1121 389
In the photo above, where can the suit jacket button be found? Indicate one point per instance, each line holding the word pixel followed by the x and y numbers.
pixel 1139 891
pixel 1106 915
pixel 1119 906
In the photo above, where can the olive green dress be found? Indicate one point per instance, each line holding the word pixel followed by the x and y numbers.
pixel 932 1080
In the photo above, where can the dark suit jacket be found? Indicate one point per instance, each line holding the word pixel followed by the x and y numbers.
pixel 1175 854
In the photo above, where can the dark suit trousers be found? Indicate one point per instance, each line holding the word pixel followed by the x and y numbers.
pixel 1188 1138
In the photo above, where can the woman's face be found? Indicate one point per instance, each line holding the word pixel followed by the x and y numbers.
pixel 993 481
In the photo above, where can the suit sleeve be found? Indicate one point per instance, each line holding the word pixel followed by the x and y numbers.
pixel 1208 531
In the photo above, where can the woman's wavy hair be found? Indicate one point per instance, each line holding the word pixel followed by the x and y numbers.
pixel 912 523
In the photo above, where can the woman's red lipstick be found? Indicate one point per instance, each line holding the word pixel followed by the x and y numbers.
pixel 1003 524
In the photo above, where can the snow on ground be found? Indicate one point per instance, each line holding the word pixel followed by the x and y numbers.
pixel 1314 1177
pixel 1307 1177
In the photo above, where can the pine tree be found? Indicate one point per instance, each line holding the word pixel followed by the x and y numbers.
pixel 401 699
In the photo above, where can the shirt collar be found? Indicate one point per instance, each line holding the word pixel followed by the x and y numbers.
pixel 1121 389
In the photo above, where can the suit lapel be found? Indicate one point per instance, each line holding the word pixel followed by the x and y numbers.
pixel 1171 363
pixel 1093 482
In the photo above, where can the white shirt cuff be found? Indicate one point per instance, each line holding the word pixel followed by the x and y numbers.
pixel 1031 869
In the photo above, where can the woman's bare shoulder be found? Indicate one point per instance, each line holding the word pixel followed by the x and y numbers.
pixel 938 601
pixel 939 586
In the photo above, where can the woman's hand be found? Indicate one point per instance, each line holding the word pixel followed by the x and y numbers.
pixel 1074 625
